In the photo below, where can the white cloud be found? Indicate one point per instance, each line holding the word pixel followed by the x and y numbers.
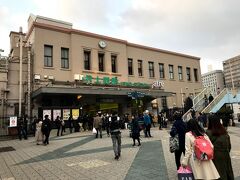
pixel 208 29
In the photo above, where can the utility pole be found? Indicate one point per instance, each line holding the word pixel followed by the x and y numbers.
pixel 20 73
pixel 2 96
pixel 29 83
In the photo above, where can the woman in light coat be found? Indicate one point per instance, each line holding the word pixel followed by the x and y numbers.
pixel 39 134
pixel 201 169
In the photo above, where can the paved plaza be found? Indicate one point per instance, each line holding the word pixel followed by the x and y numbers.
pixel 81 156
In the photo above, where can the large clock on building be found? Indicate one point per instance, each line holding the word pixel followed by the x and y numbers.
pixel 102 44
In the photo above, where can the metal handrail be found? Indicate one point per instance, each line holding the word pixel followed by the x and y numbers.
pixel 216 100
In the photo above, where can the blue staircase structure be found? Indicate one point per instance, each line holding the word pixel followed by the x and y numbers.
pixel 225 97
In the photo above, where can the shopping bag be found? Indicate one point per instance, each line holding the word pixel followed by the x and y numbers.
pixel 173 143
pixel 94 131
pixel 185 173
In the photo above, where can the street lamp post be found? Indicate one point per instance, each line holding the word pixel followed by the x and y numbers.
pixel 2 98
pixel 20 73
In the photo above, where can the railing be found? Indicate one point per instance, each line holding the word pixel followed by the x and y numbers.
pixel 200 96
pixel 198 101
pixel 215 101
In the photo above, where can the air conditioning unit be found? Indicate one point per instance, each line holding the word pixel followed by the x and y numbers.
pixel 51 77
pixel 37 76
pixel 76 77
pixel 81 77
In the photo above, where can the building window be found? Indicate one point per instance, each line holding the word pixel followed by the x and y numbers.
pixel 188 74
pixel 87 59
pixel 151 69
pixel 161 70
pixel 130 67
pixel 196 74
pixel 100 61
pixel 114 63
pixel 171 73
pixel 48 56
pixel 65 58
pixel 180 76
pixel 140 70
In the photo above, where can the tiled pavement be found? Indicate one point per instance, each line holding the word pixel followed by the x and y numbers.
pixel 81 156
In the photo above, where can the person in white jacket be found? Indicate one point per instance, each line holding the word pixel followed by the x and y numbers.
pixel 39 134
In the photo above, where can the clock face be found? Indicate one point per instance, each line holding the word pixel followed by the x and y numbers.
pixel 102 44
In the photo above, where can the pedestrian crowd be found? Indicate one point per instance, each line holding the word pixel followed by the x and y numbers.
pixel 213 162
pixel 203 146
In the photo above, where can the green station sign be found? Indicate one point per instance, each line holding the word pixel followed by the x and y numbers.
pixel 112 81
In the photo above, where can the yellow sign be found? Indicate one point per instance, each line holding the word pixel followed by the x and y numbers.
pixel 75 113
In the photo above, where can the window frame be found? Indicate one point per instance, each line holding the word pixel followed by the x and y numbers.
pixel 151 69
pixel 171 71
pixel 87 59
pixel 114 63
pixel 180 73
pixel 161 71
pixel 188 73
pixel 195 71
pixel 48 59
pixel 140 68
pixel 101 63
pixel 130 66
pixel 64 60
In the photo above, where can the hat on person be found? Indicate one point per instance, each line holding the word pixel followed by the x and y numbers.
pixel 146 111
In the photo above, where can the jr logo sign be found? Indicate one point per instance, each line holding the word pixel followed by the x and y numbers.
pixel 157 84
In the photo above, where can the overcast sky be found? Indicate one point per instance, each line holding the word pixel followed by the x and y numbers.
pixel 209 29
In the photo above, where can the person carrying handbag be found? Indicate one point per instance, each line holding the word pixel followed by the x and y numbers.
pixel 179 128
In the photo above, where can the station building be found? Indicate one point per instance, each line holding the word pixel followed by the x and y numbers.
pixel 68 71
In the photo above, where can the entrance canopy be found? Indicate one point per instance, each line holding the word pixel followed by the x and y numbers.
pixel 100 90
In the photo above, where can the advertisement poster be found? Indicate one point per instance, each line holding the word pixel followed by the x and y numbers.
pixel 13 121
pixel 75 113
pixel 56 112
pixel 47 112
pixel 66 114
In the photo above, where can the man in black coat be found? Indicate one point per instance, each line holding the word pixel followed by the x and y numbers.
pixel 179 127
pixel 46 128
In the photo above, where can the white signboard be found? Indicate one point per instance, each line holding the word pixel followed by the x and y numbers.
pixel 157 84
pixel 66 114
pixel 47 112
pixel 13 121
pixel 56 112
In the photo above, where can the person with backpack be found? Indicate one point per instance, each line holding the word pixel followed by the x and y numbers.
pixel 222 146
pixel 97 124
pixel 199 152
pixel 179 128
